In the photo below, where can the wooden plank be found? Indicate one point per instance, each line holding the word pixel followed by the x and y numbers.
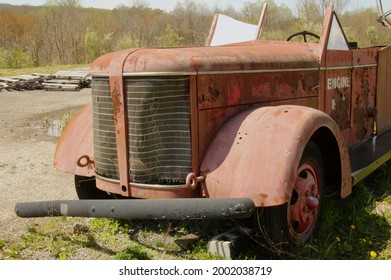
pixel 42 75
pixel 51 86
pixel 9 80
pixel 63 81
pixel 3 86
pixel 77 74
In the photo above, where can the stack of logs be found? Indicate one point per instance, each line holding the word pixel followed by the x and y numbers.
pixel 62 80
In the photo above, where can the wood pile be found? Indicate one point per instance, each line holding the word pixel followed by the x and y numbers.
pixel 21 82
pixel 68 80
pixel 62 80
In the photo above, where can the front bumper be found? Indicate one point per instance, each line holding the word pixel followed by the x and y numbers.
pixel 169 209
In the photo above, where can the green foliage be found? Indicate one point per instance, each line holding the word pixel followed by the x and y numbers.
pixel 50 69
pixel 2 243
pixel 133 252
pixel 170 38
pixel 373 36
pixel 127 42
pixel 65 119
pixel 15 58
pixel 97 44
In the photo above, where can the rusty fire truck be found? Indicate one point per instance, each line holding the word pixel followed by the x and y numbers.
pixel 256 130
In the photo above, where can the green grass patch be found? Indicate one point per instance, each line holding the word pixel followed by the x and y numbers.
pixel 50 69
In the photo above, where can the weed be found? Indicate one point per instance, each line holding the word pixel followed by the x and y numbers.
pixel 64 120
pixel 2 244
pixel 133 252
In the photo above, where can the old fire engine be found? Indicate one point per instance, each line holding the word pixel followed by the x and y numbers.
pixel 256 130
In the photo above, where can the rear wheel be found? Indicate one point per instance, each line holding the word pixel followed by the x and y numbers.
pixel 297 220
pixel 86 189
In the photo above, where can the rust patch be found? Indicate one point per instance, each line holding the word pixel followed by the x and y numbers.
pixel 263 197
pixel 340 108
pixel 210 95
pixel 117 102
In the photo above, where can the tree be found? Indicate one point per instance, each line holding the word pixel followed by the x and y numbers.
pixel 97 44
pixel 314 10
pixel 278 21
pixel 170 38
pixel 62 23
pixel 139 21
pixel 192 20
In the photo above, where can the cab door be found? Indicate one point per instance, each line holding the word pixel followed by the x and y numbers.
pixel 338 78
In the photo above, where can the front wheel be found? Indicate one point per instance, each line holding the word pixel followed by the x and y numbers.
pixel 307 195
pixel 86 189
pixel 297 220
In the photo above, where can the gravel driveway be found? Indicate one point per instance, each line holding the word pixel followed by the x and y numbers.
pixel 28 121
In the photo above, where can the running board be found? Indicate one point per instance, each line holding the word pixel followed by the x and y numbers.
pixel 369 155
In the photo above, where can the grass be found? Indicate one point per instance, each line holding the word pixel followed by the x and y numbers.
pixel 357 228
pixel 50 69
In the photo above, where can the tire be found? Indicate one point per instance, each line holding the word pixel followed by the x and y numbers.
pixel 86 189
pixel 295 222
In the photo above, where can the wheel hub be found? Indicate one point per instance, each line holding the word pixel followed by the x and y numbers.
pixel 305 201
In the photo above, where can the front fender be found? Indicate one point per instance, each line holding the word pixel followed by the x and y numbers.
pixel 255 153
pixel 74 151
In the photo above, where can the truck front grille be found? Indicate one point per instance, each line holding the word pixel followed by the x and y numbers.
pixel 159 129
pixel 105 147
pixel 158 117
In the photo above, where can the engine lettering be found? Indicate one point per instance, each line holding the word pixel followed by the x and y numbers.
pixel 339 82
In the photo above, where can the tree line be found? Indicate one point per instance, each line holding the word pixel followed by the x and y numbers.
pixel 64 32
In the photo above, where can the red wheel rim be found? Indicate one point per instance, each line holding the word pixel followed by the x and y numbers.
pixel 304 204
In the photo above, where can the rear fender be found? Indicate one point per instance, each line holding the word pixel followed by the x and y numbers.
pixel 74 152
pixel 256 153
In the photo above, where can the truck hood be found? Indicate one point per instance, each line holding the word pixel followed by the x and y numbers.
pixel 255 55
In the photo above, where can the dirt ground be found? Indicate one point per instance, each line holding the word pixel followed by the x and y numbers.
pixel 28 121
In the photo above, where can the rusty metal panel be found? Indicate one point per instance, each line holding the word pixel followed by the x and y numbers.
pixel 116 188
pixel 363 94
pixel 339 88
pixel 383 96
pixel 212 119
pixel 223 90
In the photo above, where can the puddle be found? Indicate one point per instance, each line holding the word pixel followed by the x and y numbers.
pixel 49 127
pixel 55 128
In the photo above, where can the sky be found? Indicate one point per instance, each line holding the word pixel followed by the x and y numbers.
pixel 168 5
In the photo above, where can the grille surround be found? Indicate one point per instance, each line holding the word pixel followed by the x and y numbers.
pixel 159 136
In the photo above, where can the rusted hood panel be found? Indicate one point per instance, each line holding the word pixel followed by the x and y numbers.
pixel 252 56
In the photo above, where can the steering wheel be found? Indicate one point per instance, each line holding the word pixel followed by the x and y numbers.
pixel 304 34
